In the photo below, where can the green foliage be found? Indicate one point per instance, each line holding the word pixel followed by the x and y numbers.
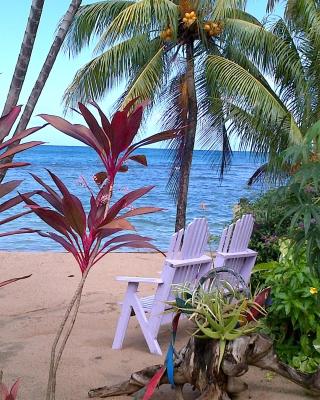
pixel 267 229
pixel 217 315
pixel 301 198
pixel 293 318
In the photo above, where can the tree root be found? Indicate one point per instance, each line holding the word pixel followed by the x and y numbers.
pixel 197 364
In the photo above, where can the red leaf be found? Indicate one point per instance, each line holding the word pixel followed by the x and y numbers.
pixel 50 217
pixel 141 211
pixel 8 187
pixel 125 201
pixel 134 122
pixel 14 165
pixel 66 245
pixel 18 232
pixel 123 168
pixel 119 133
pixel 7 121
pixel 76 131
pixel 100 177
pixel 14 201
pixel 74 213
pixel 158 137
pixel 153 383
pixel 95 128
pixel 13 217
pixel 21 135
pixel 19 148
pixel 72 207
pixel 55 199
pixel 14 389
pixel 139 158
pixel 124 238
pixel 119 223
pixel 4 283
pixel 135 245
pixel 129 105
pixel 104 120
pixel 92 213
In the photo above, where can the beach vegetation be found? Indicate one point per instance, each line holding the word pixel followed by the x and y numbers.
pixel 90 235
pixel 293 318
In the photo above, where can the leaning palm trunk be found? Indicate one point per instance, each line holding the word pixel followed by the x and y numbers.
pixel 189 139
pixel 45 70
pixel 24 56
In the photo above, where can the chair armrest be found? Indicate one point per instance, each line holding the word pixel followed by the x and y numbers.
pixel 237 254
pixel 138 279
pixel 190 261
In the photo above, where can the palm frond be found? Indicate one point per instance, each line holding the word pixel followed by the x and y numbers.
pixel 90 21
pixel 245 91
pixel 122 61
pixel 143 16
pixel 147 81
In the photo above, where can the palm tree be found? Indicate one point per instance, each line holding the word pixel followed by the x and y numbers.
pixel 24 56
pixel 44 73
pixel 294 108
pixel 173 51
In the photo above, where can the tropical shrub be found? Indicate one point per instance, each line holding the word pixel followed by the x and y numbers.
pixel 300 198
pixel 269 226
pixel 90 235
pixel 293 318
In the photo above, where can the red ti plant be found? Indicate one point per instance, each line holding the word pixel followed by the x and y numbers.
pixel 7 149
pixel 90 236
pixel 11 394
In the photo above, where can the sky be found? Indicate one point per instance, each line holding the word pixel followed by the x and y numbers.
pixel 13 18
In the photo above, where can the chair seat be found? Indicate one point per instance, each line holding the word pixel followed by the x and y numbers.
pixel 147 303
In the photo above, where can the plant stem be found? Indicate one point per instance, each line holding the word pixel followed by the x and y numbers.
pixel 54 361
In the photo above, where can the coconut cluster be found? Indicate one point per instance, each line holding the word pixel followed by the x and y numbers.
pixel 189 18
pixel 167 34
pixel 213 28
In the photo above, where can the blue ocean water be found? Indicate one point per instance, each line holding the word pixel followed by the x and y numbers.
pixel 207 195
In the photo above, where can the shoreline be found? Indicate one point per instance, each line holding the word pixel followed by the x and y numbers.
pixel 31 310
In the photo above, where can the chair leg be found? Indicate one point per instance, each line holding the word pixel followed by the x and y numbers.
pixel 122 326
pixel 152 342
pixel 125 314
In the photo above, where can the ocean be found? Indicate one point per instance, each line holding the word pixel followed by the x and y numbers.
pixel 208 196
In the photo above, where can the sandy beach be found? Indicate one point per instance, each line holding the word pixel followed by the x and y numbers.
pixel 32 309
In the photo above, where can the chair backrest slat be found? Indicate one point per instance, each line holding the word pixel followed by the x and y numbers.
pixel 186 245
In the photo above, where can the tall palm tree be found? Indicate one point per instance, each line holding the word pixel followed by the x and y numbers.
pixel 44 73
pixel 171 51
pixel 294 107
pixel 24 56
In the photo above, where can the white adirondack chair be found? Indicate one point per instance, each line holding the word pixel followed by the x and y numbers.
pixel 185 263
pixel 233 251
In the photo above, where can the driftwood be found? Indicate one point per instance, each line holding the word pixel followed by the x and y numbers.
pixel 197 364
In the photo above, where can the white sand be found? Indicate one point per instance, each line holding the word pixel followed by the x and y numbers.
pixel 32 309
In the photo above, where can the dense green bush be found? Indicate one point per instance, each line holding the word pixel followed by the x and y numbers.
pixel 293 318
pixel 267 228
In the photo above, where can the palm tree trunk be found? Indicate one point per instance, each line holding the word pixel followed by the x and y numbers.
pixel 45 70
pixel 24 56
pixel 189 140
